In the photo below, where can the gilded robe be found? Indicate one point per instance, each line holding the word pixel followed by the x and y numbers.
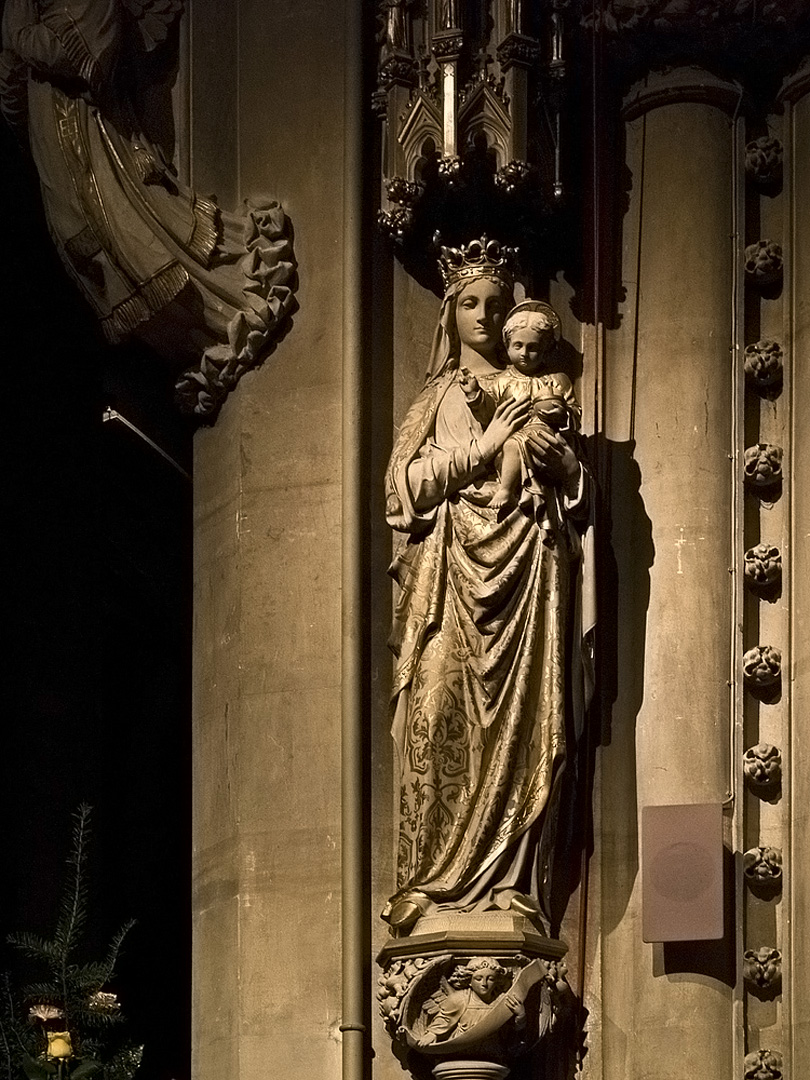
pixel 480 636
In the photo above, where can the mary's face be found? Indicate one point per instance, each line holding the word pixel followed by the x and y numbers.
pixel 480 311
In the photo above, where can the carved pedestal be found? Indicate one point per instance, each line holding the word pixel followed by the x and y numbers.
pixel 472 993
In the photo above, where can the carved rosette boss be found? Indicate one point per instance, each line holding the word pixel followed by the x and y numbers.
pixel 762 970
pixel 764 263
pixel 763 364
pixel 762 566
pixel 762 465
pixel 763 161
pixel 763 1065
pixel 762 667
pixel 762 766
pixel 762 866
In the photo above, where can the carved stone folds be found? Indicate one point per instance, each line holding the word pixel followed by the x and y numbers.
pixel 764 263
pixel 763 1065
pixel 763 364
pixel 762 765
pixel 762 465
pixel 763 866
pixel 762 970
pixel 763 161
pixel 762 567
pixel 762 667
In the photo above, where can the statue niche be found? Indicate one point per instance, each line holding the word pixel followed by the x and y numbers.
pixel 493 672
pixel 211 291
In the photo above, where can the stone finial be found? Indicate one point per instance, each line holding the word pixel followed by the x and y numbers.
pixel 763 865
pixel 762 465
pixel 763 1065
pixel 763 161
pixel 763 263
pixel 763 364
pixel 762 969
pixel 762 765
pixel 762 566
pixel 762 667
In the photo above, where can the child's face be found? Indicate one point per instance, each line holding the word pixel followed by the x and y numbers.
pixel 529 348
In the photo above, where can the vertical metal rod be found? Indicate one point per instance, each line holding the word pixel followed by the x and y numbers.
pixel 352 1026
pixel 789 927
pixel 737 539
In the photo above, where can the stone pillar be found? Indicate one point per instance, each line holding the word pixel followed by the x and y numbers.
pixel 267 701
pixel 668 415
pixel 797 780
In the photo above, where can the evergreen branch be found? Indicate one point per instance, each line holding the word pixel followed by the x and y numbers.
pixel 33 944
pixel 45 993
pixel 74 902
pixel 89 977
pixel 100 1019
pixel 114 950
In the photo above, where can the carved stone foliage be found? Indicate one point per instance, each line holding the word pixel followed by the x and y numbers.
pixel 762 465
pixel 762 971
pixel 762 766
pixel 762 667
pixel 476 1006
pixel 764 264
pixel 763 364
pixel 762 867
pixel 762 567
pixel 763 1065
pixel 763 162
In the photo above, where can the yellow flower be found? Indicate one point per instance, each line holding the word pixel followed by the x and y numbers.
pixel 59 1044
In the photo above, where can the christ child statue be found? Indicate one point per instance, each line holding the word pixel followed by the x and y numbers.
pixel 530 333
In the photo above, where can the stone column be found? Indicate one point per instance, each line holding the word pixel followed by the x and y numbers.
pixel 267 682
pixel 797 779
pixel 668 409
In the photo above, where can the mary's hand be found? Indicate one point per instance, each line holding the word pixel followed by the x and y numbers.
pixel 509 417
pixel 552 454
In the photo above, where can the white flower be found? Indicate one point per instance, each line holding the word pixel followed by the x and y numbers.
pixel 103 1002
pixel 45 1012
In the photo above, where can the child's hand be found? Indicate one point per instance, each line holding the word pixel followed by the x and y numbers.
pixel 554 413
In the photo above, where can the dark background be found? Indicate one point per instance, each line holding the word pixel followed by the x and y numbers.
pixel 97 599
